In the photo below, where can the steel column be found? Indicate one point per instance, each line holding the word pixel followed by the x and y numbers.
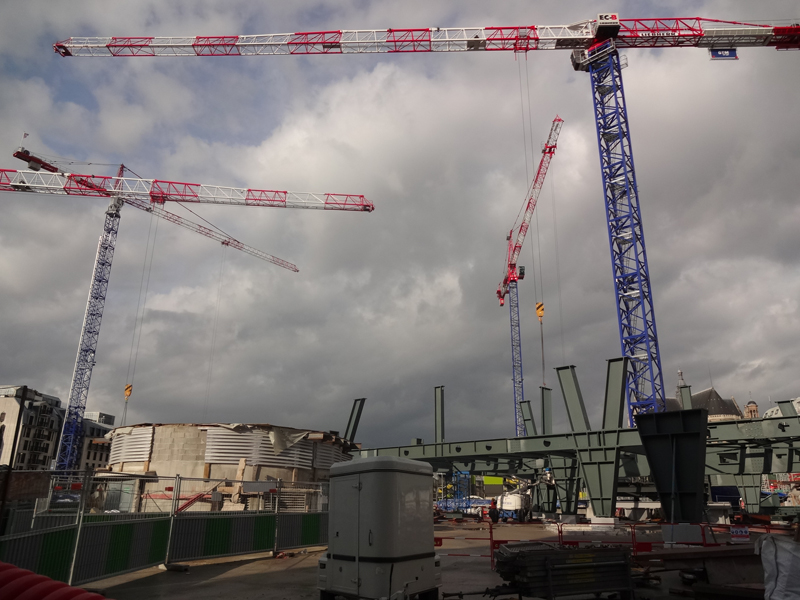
pixel 438 399
pixel 527 415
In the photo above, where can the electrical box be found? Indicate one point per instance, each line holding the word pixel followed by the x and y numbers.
pixel 380 531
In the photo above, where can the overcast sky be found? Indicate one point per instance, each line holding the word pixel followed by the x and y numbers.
pixel 390 304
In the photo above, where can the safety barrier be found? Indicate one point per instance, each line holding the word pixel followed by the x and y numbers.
pixel 301 530
pixel 202 522
pixel 113 547
pixel 26 520
pixel 640 537
pixel 206 535
pixel 43 552
pixel 634 540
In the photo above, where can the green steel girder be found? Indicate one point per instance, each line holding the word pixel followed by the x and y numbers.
pixel 545 497
pixel 598 451
pixel 527 417
pixel 750 489
pixel 567 483
pixel 736 451
pixel 732 447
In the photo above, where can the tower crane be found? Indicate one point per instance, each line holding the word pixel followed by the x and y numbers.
pixel 149 195
pixel 508 287
pixel 594 44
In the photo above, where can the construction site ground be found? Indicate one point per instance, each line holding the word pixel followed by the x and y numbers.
pixel 264 577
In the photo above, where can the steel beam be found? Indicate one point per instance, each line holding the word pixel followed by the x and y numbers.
pixel 614 407
pixel 527 417
pixel 747 447
pixel 576 410
pixel 787 408
pixel 685 396
pixel 547 410
pixel 438 398
pixel 355 417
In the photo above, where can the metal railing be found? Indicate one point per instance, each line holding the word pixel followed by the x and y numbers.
pixel 84 527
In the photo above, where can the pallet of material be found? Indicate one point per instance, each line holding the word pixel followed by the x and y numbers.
pixel 542 570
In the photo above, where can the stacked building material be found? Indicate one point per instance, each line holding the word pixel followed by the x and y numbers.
pixel 542 570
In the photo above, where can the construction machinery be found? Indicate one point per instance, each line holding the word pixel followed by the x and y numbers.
pixel 512 274
pixel 594 44
pixel 149 195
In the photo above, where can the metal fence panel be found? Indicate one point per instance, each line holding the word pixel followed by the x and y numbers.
pixel 43 552
pixel 112 547
pixel 122 523
pixel 205 535
pixel 298 530
pixel 20 520
pixel 52 520
pixel 188 537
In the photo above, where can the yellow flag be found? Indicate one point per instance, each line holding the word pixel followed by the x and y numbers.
pixel 540 310
pixel 128 390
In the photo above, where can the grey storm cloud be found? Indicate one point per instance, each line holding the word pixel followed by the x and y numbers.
pixel 390 304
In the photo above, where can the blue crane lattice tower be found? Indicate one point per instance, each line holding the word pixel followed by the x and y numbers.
pixel 72 433
pixel 516 357
pixel 634 298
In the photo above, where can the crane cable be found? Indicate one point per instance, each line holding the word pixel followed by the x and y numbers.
pixel 558 265
pixel 538 290
pixel 144 285
pixel 214 333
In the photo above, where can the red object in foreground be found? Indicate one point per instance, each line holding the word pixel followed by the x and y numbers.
pixel 21 584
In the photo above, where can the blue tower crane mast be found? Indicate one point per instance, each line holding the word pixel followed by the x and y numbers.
pixel 638 336
pixel 72 433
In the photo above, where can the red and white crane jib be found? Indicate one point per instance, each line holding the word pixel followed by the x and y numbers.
pixel 515 244
pixel 159 191
pixel 633 33
pixel 210 233
pixel 85 185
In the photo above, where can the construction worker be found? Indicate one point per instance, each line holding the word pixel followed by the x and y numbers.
pixel 494 514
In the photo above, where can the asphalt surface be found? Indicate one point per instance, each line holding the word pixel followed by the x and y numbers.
pixel 262 577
